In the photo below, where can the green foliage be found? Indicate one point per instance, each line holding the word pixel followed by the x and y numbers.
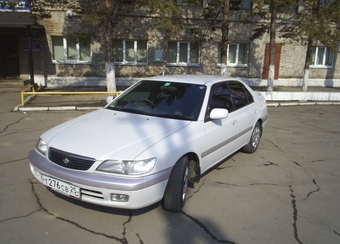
pixel 313 21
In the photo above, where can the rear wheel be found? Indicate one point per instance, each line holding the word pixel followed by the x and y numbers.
pixel 176 190
pixel 254 141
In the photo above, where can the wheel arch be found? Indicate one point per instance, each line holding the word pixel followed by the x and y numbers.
pixel 194 167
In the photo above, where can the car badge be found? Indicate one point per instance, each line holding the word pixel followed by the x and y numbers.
pixel 66 161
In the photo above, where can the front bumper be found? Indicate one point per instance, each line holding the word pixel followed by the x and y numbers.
pixel 97 188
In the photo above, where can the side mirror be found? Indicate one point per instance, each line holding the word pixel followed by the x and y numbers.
pixel 109 99
pixel 219 113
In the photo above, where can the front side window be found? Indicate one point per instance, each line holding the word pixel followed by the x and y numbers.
pixel 71 49
pixel 130 51
pixel 322 57
pixel 237 54
pixel 220 97
pixel 183 53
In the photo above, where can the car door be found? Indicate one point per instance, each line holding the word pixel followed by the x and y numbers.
pixel 245 109
pixel 220 135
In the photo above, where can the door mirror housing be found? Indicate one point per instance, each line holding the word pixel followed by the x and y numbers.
pixel 109 99
pixel 219 113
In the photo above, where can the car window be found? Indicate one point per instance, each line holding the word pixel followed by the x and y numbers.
pixel 162 99
pixel 220 97
pixel 241 95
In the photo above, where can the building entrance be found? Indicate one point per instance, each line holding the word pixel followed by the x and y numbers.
pixel 9 59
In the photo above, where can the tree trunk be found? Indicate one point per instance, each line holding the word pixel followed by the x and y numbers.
pixel 307 62
pixel 224 45
pixel 270 81
pixel 109 59
pixel 315 10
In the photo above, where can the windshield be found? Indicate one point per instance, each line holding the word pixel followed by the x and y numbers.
pixel 162 99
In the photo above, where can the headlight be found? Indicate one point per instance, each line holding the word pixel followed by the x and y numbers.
pixel 128 167
pixel 41 147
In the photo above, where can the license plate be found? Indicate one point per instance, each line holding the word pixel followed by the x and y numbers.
pixel 61 186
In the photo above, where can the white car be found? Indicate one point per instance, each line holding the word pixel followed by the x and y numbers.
pixel 150 141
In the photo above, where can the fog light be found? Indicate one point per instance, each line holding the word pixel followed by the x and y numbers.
pixel 119 198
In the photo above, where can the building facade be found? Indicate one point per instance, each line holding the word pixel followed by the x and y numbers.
pixel 63 57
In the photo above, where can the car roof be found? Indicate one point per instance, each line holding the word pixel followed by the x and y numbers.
pixel 190 79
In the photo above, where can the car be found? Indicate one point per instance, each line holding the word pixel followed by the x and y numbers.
pixel 150 142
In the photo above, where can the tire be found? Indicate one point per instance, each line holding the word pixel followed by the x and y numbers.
pixel 254 140
pixel 175 192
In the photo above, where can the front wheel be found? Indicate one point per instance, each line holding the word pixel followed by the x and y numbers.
pixel 176 190
pixel 254 141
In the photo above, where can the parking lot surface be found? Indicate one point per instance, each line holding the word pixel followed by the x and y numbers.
pixel 286 192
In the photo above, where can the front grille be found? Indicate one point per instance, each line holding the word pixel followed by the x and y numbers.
pixel 70 160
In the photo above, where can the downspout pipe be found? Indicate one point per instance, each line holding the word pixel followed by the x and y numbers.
pixel 30 54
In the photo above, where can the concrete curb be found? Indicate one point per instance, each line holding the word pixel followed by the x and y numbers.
pixel 62 108
pixel 75 108
pixel 273 99
pixel 285 104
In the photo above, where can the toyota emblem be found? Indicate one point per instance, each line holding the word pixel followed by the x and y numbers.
pixel 66 161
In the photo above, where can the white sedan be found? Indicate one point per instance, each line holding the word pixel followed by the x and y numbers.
pixel 150 141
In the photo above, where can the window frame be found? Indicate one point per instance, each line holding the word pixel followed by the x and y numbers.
pixel 236 64
pixel 178 54
pixel 135 50
pixel 314 57
pixel 78 49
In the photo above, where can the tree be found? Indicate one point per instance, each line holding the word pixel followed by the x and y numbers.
pixel 96 18
pixel 99 18
pixel 317 22
pixel 217 14
pixel 272 27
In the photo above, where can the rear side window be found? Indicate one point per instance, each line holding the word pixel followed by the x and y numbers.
pixel 241 95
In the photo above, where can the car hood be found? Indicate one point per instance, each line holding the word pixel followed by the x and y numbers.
pixel 108 134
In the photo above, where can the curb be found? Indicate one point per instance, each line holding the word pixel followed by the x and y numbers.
pixel 62 108
pixel 286 104
pixel 75 108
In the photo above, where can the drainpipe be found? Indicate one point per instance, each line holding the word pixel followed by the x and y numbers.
pixel 30 55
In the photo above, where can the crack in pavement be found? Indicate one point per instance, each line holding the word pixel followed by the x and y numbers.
pixel 9 125
pixel 13 161
pixel 317 189
pixel 295 213
pixel 42 208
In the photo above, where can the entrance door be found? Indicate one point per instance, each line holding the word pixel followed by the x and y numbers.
pixel 9 60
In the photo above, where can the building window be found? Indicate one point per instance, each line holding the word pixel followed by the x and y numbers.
pixel 325 3
pixel 240 4
pixel 130 51
pixel 283 8
pixel 237 54
pixel 183 53
pixel 322 57
pixel 197 3
pixel 71 49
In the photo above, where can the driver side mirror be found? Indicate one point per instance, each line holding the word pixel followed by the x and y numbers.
pixel 219 113
pixel 109 99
